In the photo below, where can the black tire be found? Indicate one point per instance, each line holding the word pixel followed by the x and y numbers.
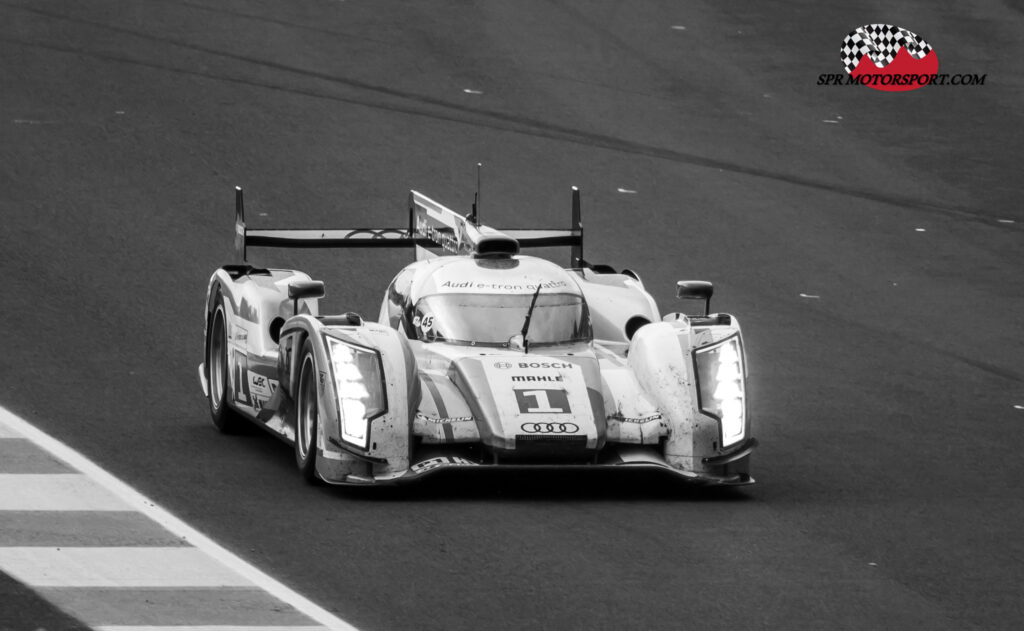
pixel 225 419
pixel 307 415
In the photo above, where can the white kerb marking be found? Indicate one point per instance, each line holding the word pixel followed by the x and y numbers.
pixel 176 526
pixel 1006 221
pixel 56 492
pixel 678 27
pixel 470 91
pixel 809 296
pixel 117 567
pixel 829 120
pixel 919 229
pixel 1018 407
pixel 627 191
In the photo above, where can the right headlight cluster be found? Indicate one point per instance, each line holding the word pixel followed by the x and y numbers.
pixel 722 388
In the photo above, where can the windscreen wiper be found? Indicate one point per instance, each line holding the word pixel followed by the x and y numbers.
pixel 526 323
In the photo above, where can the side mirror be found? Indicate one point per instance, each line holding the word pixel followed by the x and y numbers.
pixel 304 289
pixel 696 290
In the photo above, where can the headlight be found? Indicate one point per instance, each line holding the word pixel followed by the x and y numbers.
pixel 721 387
pixel 359 384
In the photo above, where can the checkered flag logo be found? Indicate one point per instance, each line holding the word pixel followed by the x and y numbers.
pixel 881 43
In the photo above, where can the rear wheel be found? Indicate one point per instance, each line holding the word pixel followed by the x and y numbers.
pixel 307 416
pixel 224 418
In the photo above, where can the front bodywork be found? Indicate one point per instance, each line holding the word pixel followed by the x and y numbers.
pixel 630 402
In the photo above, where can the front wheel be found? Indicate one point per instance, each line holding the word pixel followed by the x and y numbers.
pixel 224 418
pixel 307 416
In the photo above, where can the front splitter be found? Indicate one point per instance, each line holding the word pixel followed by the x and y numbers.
pixel 624 457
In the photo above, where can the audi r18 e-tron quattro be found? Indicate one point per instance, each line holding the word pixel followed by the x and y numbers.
pixel 480 356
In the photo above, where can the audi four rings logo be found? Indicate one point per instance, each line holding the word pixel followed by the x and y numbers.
pixel 384 233
pixel 503 365
pixel 550 428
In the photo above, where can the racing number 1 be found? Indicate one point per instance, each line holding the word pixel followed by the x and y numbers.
pixel 543 401
pixel 239 374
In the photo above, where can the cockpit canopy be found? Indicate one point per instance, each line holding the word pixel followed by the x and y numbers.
pixel 493 319
pixel 484 301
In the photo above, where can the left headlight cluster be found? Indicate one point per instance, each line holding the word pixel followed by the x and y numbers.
pixel 359 384
pixel 722 387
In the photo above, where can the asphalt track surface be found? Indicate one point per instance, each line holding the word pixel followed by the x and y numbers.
pixel 889 490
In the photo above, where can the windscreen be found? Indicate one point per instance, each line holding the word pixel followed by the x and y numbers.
pixel 491 319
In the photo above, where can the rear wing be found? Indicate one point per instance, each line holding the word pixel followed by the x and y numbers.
pixel 433 230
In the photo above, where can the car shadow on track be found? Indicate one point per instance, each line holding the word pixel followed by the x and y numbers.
pixel 545 486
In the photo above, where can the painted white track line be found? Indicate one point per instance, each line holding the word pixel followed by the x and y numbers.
pixel 12 426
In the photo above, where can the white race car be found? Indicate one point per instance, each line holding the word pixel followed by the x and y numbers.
pixel 479 357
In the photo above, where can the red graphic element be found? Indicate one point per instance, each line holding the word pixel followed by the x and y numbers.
pixel 902 69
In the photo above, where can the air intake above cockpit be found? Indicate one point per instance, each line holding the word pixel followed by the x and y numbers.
pixel 495 245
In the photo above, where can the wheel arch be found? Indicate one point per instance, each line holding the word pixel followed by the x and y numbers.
pixel 294 333
pixel 219 285
pixel 390 435
pixel 218 385
pixel 214 293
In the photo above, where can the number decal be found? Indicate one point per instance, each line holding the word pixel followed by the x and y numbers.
pixel 543 401
pixel 239 378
